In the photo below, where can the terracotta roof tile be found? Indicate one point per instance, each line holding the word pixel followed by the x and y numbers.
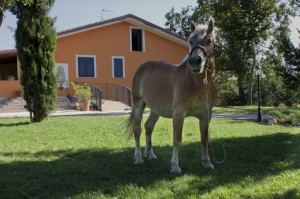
pixel 8 55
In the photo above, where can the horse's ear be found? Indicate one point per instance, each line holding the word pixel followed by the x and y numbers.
pixel 210 26
pixel 193 26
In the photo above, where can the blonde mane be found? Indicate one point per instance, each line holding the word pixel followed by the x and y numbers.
pixel 201 30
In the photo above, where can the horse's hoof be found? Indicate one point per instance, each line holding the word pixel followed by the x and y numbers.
pixel 152 157
pixel 138 162
pixel 175 169
pixel 208 165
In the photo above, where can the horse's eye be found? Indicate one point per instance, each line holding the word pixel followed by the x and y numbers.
pixel 208 41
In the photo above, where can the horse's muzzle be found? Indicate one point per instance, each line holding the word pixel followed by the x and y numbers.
pixel 195 63
pixel 195 60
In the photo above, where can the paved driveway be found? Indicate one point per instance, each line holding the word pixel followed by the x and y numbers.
pixel 116 108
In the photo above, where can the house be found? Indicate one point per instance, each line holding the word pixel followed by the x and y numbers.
pixel 105 54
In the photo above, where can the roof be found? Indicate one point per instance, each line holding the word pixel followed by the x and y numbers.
pixel 137 21
pixel 8 55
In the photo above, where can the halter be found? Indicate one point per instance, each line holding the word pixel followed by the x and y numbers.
pixel 201 48
pixel 205 81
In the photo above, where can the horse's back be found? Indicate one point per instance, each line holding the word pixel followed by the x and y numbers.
pixel 154 68
pixel 152 74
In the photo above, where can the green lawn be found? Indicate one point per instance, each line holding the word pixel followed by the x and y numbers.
pixel 90 157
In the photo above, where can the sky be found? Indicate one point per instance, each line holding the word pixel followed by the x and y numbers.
pixel 74 13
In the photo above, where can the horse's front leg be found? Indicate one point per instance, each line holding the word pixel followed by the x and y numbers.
pixel 204 125
pixel 178 119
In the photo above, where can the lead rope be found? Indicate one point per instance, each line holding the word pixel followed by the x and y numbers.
pixel 205 81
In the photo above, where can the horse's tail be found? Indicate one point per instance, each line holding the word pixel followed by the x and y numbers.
pixel 129 124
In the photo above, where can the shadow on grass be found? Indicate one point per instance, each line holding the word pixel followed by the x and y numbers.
pixel 14 124
pixel 106 171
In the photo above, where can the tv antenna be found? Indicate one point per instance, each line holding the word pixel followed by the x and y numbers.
pixel 103 10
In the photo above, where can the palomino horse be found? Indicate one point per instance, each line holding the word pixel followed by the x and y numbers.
pixel 176 92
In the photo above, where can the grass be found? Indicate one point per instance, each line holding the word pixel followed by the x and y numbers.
pixel 89 157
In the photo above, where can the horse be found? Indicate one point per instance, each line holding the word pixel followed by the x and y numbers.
pixel 176 91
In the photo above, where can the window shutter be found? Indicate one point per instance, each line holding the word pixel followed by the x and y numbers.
pixel 118 67
pixel 86 67
pixel 89 67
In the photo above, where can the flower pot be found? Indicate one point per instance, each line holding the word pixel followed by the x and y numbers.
pixel 84 105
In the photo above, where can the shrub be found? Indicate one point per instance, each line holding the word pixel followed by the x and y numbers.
pixel 82 91
pixel 286 117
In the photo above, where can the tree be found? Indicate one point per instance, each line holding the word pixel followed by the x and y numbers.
pixel 289 70
pixel 246 22
pixel 243 28
pixel 4 5
pixel 285 55
pixel 179 22
pixel 35 41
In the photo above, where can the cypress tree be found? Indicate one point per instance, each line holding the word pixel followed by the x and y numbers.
pixel 35 41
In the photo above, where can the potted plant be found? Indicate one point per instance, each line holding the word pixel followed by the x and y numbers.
pixel 83 93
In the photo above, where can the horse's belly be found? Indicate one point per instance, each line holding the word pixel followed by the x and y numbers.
pixel 160 108
pixel 157 92
pixel 167 113
pixel 201 112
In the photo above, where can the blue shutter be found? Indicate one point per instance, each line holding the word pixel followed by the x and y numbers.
pixel 81 67
pixel 90 67
pixel 86 67
pixel 118 67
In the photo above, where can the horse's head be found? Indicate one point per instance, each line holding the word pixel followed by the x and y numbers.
pixel 202 46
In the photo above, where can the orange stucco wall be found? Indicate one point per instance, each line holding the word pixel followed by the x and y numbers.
pixel 114 40
pixel 8 88
pixel 104 43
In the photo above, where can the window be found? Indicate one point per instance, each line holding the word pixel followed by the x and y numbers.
pixel 118 68
pixel 86 66
pixel 137 40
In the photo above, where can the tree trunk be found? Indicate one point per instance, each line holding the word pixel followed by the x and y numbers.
pixel 241 90
pixel 2 5
pixel 250 81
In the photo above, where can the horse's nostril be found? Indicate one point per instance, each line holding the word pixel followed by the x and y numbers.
pixel 195 60
pixel 199 59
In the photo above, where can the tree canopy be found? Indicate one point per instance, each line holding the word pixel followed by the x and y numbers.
pixel 247 31
pixel 5 5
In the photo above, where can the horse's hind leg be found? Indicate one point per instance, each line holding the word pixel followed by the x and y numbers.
pixel 149 126
pixel 139 106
